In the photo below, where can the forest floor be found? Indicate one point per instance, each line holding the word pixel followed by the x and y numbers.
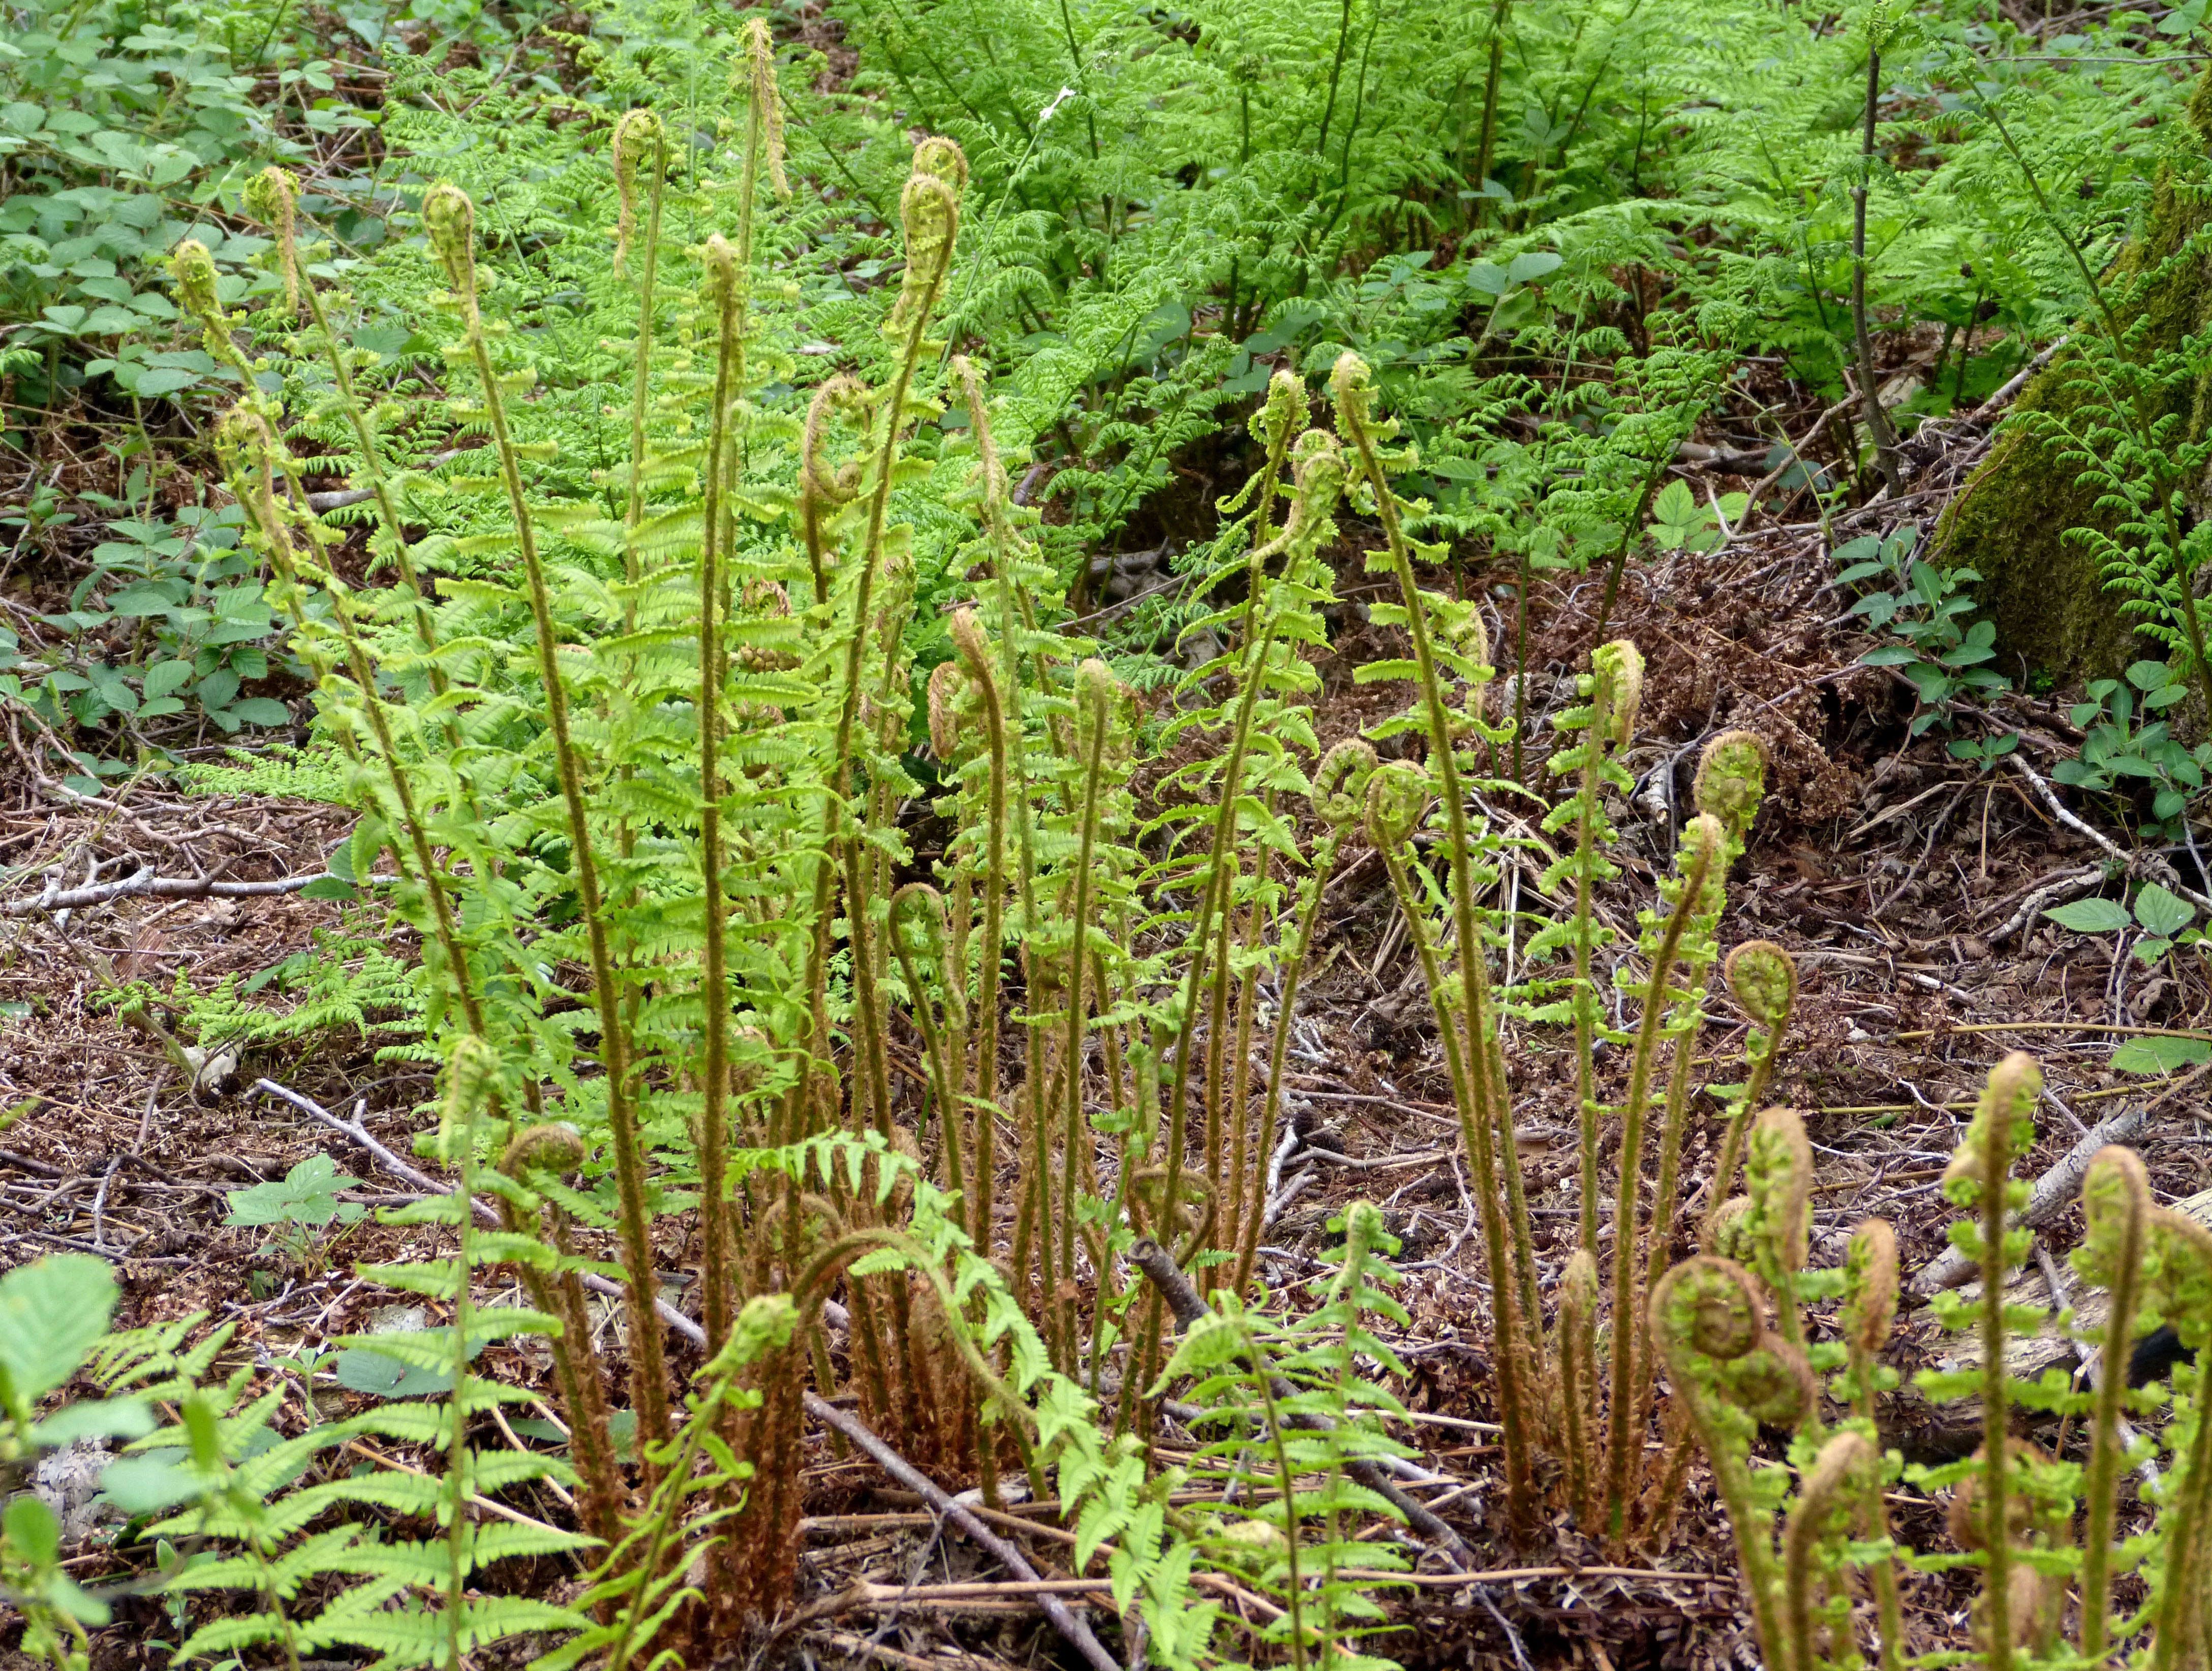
pixel 1907 885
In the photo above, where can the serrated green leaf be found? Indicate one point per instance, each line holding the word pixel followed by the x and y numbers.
pixel 2162 912
pixel 2160 1055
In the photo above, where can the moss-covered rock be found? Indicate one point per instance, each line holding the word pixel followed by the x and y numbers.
pixel 2045 592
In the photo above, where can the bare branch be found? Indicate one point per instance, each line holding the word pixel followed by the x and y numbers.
pixel 2054 1192
pixel 1078 1634
pixel 147 885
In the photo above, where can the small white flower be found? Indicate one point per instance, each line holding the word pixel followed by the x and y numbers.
pixel 1050 110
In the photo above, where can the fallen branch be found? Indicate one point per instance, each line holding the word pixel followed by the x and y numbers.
pixel 1728 461
pixel 2053 1192
pixel 1515 1575
pixel 1182 1297
pixel 2018 381
pixel 1796 448
pixel 861 1647
pixel 340 498
pixel 2065 886
pixel 147 885
pixel 1077 1633
pixel 2133 864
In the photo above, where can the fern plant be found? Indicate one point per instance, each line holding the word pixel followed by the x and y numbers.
pixel 53 1314
pixel 1300 1411
pixel 2012 1505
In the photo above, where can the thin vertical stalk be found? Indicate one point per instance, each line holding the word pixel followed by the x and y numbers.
pixel 1628 1325
pixel 1094 695
pixel 1479 1121
pixel 728 278
pixel 640 128
pixel 2184 1248
pixel 1988 1158
pixel 1254 1208
pixel 2125 1270
pixel 1658 1236
pixel 1335 76
pixel 451 219
pixel 1484 145
pixel 1212 899
pixel 1877 420
pixel 469 1076
pixel 1216 1023
pixel 930 214
pixel 975 652
pixel 1632 528
pixel 1595 738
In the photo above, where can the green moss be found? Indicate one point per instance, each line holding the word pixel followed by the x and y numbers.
pixel 2045 592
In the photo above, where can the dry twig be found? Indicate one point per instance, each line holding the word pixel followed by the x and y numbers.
pixel 1077 1634
pixel 2054 1191
pixel 147 885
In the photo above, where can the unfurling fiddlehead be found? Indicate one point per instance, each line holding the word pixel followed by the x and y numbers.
pixel 1612 692
pixel 1979 1180
pixel 1868 1314
pixel 1477 1078
pixel 1705 1321
pixel 450 219
pixel 1817 1521
pixel 1763 979
pixel 2181 1289
pixel 2116 1213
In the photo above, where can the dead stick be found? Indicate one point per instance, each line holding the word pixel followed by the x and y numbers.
pixel 1796 449
pixel 485 1214
pixel 1077 1633
pixel 147 885
pixel 1989 409
pixel 2053 1191
pixel 2132 863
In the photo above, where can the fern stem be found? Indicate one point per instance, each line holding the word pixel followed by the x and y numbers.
pixel 1480 1122
pixel 1630 1327
pixel 1212 899
pixel 466 1071
pixel 1630 528
pixel 714 541
pixel 2105 1424
pixel 974 655
pixel 453 234
pixel 1219 970
pixel 379 488
pixel 1094 695
pixel 642 366
pixel 1731 1156
pixel 1658 1236
pixel 1585 1001
pixel 1995 1163
pixel 256 447
pixel 1254 1210
pixel 1293 1590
